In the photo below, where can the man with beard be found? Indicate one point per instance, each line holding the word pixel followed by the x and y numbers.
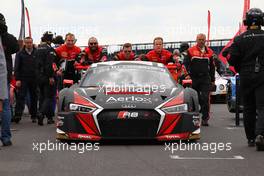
pixel 94 53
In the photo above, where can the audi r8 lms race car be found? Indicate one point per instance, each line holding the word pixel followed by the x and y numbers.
pixel 128 100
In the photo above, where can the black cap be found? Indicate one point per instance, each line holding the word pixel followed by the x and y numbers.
pixel 2 19
pixel 47 36
pixel 58 40
pixel 184 46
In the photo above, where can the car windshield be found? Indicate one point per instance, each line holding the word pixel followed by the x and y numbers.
pixel 131 75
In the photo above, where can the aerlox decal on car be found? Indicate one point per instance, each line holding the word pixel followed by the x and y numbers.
pixel 131 99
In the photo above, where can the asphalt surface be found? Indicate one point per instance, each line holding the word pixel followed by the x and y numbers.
pixel 231 157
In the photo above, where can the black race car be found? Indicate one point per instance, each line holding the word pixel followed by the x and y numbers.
pixel 128 100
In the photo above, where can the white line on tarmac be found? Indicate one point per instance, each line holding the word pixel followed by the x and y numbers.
pixel 176 157
pixel 234 128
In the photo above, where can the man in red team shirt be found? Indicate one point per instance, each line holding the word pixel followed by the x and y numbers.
pixel 69 52
pixel 158 54
pixel 126 54
pixel 94 53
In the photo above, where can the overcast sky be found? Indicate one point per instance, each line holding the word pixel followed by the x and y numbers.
pixel 135 21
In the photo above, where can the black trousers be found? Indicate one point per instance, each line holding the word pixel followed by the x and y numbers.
pixel 71 76
pixel 201 85
pixel 47 95
pixel 70 72
pixel 27 86
pixel 252 92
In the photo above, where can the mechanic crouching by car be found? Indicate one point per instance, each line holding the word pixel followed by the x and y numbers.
pixel 247 56
pixel 26 82
pixel 68 53
pixel 46 68
pixel 200 65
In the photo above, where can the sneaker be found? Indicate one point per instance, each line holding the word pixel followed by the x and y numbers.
pixel 33 119
pixel 40 120
pixel 205 123
pixel 51 121
pixel 17 119
pixel 260 143
pixel 8 143
pixel 251 143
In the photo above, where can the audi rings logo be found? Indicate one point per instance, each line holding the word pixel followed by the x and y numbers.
pixel 129 106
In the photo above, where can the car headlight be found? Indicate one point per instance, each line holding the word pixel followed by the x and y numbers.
pixel 80 108
pixel 221 87
pixel 176 109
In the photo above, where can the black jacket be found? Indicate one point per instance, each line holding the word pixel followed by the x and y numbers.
pixel 46 57
pixel 11 46
pixel 25 65
pixel 245 49
pixel 199 64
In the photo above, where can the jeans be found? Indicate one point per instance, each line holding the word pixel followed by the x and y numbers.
pixel 6 121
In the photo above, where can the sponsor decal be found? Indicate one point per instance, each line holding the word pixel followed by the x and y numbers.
pixel 172 136
pixel 128 106
pixel 131 99
pixel 81 136
pixel 127 115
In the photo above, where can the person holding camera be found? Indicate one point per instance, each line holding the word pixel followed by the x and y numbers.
pixel 247 56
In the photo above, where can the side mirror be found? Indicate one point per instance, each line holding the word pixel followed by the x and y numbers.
pixel 67 83
pixel 187 83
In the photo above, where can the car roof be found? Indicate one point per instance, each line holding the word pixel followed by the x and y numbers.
pixel 140 63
